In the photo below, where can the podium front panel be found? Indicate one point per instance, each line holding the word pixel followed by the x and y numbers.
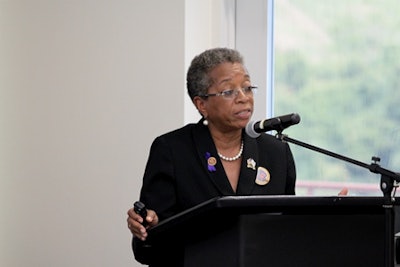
pixel 312 240
pixel 280 231
pixel 293 240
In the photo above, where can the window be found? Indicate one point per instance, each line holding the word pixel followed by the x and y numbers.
pixel 337 64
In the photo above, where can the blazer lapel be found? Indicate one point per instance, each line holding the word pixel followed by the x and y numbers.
pixel 207 153
pixel 249 166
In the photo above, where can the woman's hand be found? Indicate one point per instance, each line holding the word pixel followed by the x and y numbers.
pixel 135 221
pixel 343 192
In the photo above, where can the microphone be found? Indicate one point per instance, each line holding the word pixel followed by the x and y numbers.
pixel 254 128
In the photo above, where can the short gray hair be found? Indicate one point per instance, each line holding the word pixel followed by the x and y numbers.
pixel 198 79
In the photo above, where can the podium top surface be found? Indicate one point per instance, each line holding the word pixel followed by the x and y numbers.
pixel 222 207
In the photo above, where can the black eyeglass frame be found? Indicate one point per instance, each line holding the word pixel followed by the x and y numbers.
pixel 232 93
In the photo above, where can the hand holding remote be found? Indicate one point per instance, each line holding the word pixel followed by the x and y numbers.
pixel 140 209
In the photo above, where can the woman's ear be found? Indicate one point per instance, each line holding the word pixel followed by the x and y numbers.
pixel 200 104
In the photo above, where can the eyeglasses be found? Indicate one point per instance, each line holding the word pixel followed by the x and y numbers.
pixel 232 93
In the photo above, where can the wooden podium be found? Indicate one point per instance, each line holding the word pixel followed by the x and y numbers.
pixel 242 231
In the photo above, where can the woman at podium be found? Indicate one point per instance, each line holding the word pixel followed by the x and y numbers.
pixel 215 156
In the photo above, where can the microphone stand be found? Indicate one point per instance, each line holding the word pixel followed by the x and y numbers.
pixel 388 177
pixel 387 183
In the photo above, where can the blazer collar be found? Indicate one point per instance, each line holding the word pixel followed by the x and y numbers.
pixel 249 166
pixel 206 149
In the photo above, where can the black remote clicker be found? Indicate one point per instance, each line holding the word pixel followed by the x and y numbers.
pixel 140 209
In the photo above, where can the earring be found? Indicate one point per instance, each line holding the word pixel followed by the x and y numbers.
pixel 205 122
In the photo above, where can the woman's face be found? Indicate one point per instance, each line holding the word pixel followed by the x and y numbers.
pixel 229 113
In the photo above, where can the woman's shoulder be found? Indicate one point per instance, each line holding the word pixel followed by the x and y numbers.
pixel 180 138
pixel 183 134
pixel 268 138
pixel 268 142
pixel 179 132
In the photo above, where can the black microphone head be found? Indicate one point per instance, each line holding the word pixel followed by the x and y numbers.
pixel 287 121
pixel 250 130
pixel 253 129
pixel 295 119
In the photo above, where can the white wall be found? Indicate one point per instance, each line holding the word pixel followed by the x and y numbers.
pixel 85 86
pixel 251 40
pixel 208 24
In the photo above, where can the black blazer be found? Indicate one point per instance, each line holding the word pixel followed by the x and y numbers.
pixel 177 175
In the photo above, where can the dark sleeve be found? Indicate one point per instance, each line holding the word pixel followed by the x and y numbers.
pixel 145 253
pixel 142 251
pixel 158 190
pixel 157 193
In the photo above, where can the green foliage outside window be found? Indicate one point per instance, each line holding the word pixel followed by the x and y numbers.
pixel 337 64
